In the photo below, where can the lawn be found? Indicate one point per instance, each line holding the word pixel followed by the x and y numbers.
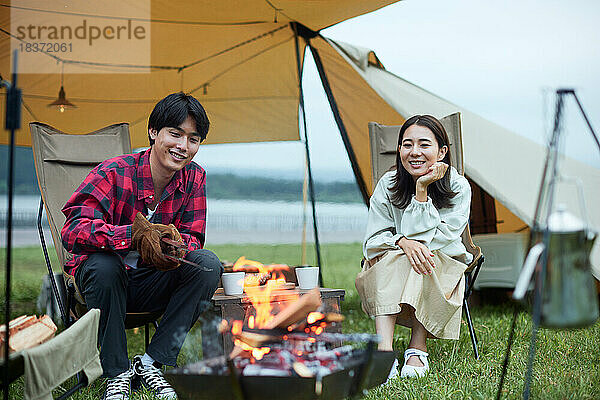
pixel 567 363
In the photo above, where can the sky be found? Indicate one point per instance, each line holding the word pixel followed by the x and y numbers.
pixel 499 59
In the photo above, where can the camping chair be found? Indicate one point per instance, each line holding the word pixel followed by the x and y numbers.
pixel 62 161
pixel 383 140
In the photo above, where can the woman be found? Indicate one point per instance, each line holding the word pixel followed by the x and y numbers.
pixel 415 259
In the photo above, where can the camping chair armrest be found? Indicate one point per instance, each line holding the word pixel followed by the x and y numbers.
pixel 477 258
pixel 467 240
pixel 471 273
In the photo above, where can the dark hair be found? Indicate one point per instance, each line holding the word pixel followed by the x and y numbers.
pixel 173 110
pixel 403 186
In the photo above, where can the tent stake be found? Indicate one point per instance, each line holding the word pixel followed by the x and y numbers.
pixel 311 189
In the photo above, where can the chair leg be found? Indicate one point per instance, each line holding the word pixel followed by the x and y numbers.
pixel 70 304
pixel 147 335
pixel 472 276
pixel 82 381
pixel 471 330
pixel 63 314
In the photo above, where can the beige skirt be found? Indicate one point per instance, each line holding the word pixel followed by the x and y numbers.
pixel 391 284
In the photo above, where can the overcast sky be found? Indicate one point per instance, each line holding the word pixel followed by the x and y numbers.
pixel 494 58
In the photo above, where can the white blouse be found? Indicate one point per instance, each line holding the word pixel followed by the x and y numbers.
pixel 437 229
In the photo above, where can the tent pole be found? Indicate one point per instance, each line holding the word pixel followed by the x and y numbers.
pixel 340 123
pixel 304 200
pixel 311 189
pixel 12 123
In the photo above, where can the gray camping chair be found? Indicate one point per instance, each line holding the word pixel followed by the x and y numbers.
pixel 62 161
pixel 383 140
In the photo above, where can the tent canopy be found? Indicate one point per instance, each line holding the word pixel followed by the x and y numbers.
pixel 506 165
pixel 238 58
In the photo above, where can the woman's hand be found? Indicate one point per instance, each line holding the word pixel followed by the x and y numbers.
pixel 434 173
pixel 421 259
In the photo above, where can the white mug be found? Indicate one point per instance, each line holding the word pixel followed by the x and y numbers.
pixel 233 282
pixel 308 277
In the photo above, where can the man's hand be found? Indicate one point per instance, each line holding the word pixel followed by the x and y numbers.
pixel 147 241
pixel 170 232
pixel 421 259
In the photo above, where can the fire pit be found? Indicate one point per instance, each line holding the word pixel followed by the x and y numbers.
pixel 361 369
pixel 284 349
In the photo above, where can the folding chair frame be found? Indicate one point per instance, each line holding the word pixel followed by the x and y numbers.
pixel 470 278
pixel 67 311
pixel 66 299
pixel 385 147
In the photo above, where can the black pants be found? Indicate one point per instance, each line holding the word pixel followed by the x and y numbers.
pixel 182 293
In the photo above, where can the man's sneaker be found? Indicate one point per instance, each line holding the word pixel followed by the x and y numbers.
pixel 152 379
pixel 119 387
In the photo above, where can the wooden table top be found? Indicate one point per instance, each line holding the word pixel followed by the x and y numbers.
pixel 279 294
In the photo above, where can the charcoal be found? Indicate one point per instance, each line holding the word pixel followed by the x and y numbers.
pixel 259 370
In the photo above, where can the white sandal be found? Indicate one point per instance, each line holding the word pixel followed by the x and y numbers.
pixel 410 371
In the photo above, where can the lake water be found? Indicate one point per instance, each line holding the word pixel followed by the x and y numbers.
pixel 246 221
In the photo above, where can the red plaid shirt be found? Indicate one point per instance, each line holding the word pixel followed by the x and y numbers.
pixel 101 211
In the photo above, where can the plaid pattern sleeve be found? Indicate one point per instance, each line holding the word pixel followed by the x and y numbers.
pixel 92 223
pixel 192 224
pixel 100 213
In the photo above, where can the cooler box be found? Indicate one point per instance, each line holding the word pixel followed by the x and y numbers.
pixel 504 254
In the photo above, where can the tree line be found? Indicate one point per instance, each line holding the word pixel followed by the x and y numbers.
pixel 220 186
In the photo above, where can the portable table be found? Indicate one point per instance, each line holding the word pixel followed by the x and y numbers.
pixel 236 307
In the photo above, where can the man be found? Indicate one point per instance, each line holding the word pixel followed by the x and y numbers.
pixel 116 222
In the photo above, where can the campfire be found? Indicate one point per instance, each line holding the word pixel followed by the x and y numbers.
pixel 284 343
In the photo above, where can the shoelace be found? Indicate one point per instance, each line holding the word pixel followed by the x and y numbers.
pixel 155 379
pixel 118 385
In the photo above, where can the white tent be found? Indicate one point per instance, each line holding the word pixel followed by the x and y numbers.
pixel 243 62
pixel 506 165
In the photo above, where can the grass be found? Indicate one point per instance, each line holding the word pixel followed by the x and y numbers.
pixel 567 363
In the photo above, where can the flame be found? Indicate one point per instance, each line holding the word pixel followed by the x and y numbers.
pixel 314 317
pixel 263 299
pixel 242 263
pixel 236 329
pixel 260 353
pixel 257 352
pixel 261 296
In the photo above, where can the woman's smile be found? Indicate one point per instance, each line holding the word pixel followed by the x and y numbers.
pixel 419 150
